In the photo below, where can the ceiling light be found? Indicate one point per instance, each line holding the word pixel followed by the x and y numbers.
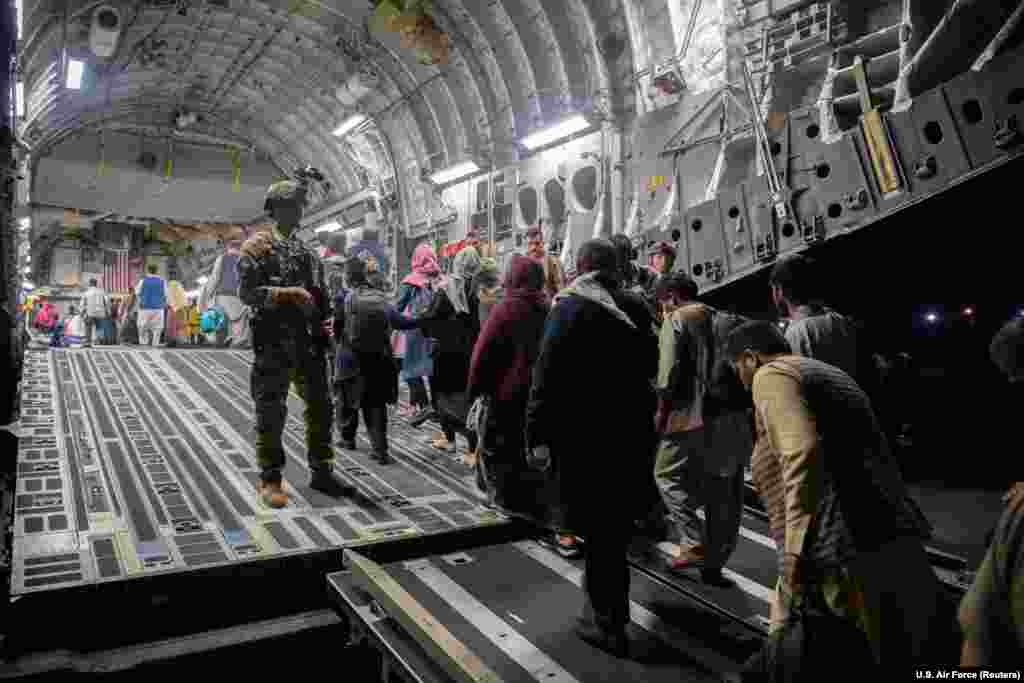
pixel 968 311
pixel 557 132
pixel 75 71
pixel 28 258
pixel 329 227
pixel 27 270
pixel 931 317
pixel 456 172
pixel 350 124
pixel 17 5
pixel 202 279
pixel 19 98
pixel 24 223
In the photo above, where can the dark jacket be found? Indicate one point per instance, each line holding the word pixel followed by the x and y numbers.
pixel 591 397
pixel 454 336
pixel 510 340
pixel 378 368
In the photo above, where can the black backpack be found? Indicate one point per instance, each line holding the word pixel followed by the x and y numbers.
pixel 367 328
pixel 721 388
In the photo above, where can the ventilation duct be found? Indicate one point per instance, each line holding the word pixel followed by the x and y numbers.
pixel 105 31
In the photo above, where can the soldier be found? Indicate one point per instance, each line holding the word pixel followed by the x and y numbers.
pixel 283 281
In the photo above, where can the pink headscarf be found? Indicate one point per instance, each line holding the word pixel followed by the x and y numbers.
pixel 424 266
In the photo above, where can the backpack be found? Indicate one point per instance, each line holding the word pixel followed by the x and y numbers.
pixel 211 320
pixel 367 328
pixel 720 387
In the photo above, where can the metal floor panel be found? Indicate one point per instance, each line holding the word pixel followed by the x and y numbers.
pixel 526 635
pixel 139 462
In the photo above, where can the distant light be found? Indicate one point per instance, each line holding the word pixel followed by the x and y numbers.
pixel 931 317
pixel 557 132
pixel 19 98
pixel 75 71
pixel 202 279
pixel 329 227
pixel 456 172
pixel 26 270
pixel 24 223
pixel 782 324
pixel 350 124
pixel 28 258
pixel 968 311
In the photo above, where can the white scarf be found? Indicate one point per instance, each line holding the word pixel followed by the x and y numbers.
pixel 464 269
pixel 588 287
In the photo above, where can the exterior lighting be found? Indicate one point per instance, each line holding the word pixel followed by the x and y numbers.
pixel 931 317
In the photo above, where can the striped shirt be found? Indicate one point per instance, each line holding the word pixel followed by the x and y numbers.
pixel 820 450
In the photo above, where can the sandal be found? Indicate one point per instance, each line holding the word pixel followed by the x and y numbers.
pixel 443 445
pixel 689 558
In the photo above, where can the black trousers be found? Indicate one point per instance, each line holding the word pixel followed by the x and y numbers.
pixel 352 400
pixel 418 393
pixel 606 573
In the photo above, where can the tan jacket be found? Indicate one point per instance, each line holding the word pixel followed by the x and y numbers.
pixel 683 419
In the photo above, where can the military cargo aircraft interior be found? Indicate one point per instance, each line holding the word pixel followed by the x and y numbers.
pixel 519 340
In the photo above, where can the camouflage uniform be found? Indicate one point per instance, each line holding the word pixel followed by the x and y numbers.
pixel 289 344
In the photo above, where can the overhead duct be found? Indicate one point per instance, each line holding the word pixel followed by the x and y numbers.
pixel 962 34
pixel 105 31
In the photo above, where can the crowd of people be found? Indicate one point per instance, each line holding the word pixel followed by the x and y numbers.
pixel 610 403
pixel 156 312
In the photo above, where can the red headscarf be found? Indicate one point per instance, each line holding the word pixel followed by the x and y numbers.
pixel 424 266
pixel 524 280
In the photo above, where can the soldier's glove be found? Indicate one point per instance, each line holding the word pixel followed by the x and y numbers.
pixel 257 246
pixel 295 296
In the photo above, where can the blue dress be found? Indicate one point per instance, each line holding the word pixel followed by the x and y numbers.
pixel 417 361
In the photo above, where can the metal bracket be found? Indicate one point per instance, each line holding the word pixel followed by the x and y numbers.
pixel 858 201
pixel 1006 134
pixel 815 230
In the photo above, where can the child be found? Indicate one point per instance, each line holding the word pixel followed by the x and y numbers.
pixel 192 322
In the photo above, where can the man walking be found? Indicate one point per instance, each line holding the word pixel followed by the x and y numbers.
pixel 152 294
pixel 95 308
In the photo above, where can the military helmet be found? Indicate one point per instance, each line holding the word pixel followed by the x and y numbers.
pixel 284 189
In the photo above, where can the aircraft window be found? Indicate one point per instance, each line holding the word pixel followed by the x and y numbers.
pixel 972 111
pixel 554 194
pixel 788 230
pixel 584 185
pixel 813 130
pixel 1015 97
pixel 933 132
pixel 734 212
pixel 676 235
pixel 698 270
pixel 776 147
pixel 823 170
pixel 697 225
pixel 835 210
pixel 528 205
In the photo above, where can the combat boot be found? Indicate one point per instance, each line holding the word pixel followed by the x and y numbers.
pixel 272 494
pixel 324 481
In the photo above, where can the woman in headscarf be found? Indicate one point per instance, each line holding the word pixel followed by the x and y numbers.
pixel 176 324
pixel 453 321
pixel 500 369
pixel 488 287
pixel 414 297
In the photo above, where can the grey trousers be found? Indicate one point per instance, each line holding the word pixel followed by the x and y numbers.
pixel 687 483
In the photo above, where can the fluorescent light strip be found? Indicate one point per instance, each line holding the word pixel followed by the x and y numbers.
pixel 329 227
pixel 456 172
pixel 75 71
pixel 19 98
pixel 557 132
pixel 18 8
pixel 350 124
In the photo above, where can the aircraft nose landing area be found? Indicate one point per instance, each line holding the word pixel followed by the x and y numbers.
pixel 136 463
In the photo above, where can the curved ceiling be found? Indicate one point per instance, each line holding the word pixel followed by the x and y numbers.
pixel 264 73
